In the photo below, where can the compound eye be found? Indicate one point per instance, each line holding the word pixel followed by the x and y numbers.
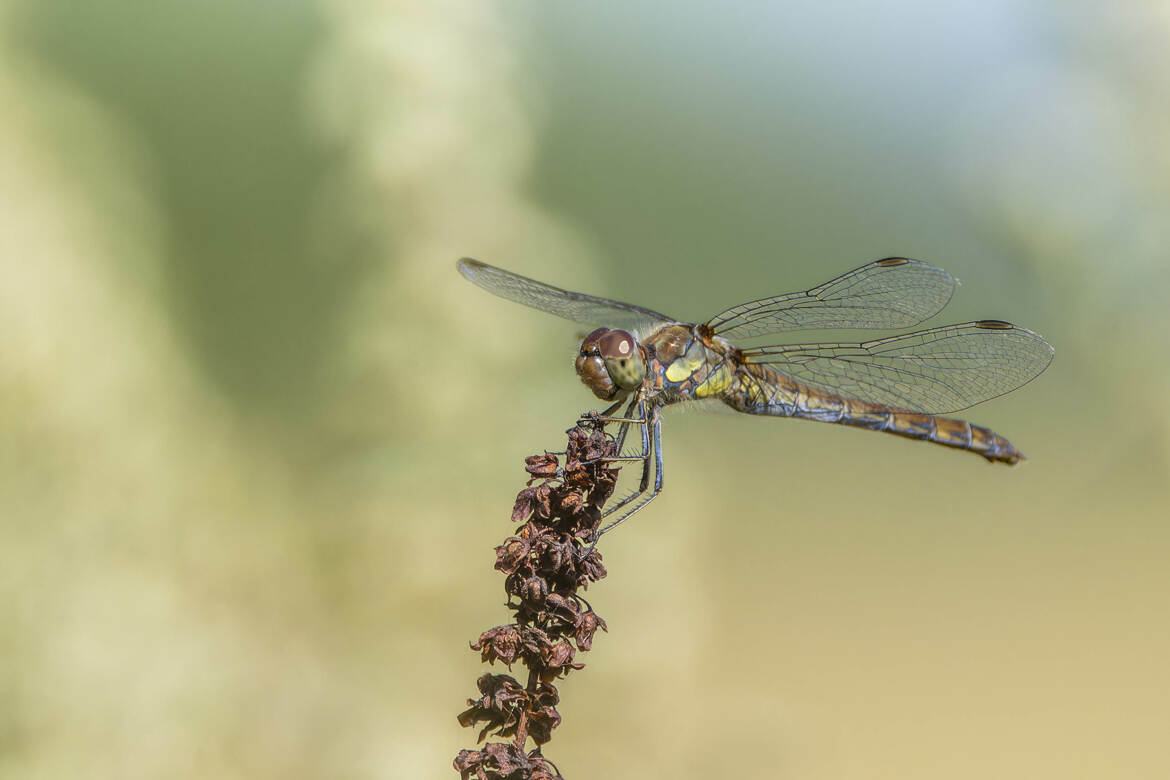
pixel 623 359
pixel 592 339
pixel 617 345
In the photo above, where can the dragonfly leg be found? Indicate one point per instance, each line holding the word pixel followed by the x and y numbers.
pixel 621 437
pixel 626 422
pixel 656 448
pixel 610 410
pixel 645 458
pixel 651 444
pixel 604 418
pixel 622 420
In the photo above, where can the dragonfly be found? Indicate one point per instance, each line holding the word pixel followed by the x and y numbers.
pixel 648 361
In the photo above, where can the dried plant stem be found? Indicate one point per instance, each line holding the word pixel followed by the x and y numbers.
pixel 546 563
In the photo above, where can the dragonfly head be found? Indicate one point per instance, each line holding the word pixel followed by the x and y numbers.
pixel 610 363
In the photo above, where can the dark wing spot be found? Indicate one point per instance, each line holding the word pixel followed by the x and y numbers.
pixel 892 261
pixel 994 325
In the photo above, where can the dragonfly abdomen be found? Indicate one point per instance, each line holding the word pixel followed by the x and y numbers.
pixel 760 390
pixel 949 432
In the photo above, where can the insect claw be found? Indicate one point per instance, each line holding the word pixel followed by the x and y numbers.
pixel 590 420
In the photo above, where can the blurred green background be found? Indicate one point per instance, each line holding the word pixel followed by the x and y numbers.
pixel 259 438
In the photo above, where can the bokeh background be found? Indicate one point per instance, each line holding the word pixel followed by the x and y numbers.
pixel 258 438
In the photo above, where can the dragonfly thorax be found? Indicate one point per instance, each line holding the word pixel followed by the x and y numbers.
pixel 611 363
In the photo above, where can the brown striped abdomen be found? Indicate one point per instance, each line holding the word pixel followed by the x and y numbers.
pixel 758 389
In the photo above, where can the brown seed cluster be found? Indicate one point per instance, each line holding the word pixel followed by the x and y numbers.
pixel 544 566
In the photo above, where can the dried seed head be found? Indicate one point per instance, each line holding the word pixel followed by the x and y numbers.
pixel 586 627
pixel 500 643
pixel 504 760
pixel 544 570
pixel 512 554
pixel 533 589
pixel 541 466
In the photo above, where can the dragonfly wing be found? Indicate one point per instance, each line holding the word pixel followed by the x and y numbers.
pixel 575 306
pixel 937 371
pixel 892 293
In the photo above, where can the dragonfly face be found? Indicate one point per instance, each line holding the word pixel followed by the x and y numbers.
pixel 898 384
pixel 611 363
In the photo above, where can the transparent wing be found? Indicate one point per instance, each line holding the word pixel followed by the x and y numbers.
pixel 892 293
pixel 937 371
pixel 563 303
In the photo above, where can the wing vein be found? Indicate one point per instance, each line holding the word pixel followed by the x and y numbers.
pixel 889 293
pixel 938 370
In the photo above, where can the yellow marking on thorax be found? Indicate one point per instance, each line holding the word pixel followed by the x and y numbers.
pixel 717 381
pixel 688 364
